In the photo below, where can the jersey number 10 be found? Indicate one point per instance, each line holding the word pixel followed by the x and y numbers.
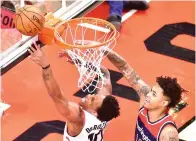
pixel 96 137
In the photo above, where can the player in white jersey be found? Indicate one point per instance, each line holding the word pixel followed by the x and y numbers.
pixel 87 120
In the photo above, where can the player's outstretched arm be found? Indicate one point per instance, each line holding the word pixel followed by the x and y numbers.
pixel 69 110
pixel 129 73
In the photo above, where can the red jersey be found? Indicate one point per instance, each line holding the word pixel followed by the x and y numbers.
pixel 150 131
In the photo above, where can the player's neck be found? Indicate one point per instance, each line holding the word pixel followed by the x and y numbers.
pixel 155 115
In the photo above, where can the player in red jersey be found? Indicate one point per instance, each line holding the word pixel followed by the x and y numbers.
pixel 153 123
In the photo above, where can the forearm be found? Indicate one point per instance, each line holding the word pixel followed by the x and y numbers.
pixel 51 84
pixel 134 80
pixel 115 59
pixel 62 104
pixel 54 91
pixel 129 73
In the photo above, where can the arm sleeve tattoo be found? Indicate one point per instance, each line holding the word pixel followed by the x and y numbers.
pixel 129 73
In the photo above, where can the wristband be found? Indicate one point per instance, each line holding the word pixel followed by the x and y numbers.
pixel 46 67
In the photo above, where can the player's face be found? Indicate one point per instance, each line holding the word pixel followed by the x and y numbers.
pixel 155 99
pixel 92 102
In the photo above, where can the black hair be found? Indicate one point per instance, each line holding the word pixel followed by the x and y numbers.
pixel 109 109
pixel 171 89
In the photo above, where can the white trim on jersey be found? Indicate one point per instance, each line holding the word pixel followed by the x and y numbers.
pixel 160 120
pixel 142 108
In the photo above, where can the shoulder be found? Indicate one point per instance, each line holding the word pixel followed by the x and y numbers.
pixel 76 113
pixel 75 108
pixel 169 133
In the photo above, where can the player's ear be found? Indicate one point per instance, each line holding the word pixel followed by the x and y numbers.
pixel 165 103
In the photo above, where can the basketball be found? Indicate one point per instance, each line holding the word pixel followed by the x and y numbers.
pixel 29 20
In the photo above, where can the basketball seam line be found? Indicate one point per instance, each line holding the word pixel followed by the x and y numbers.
pixel 20 12
pixel 32 12
pixel 27 7
pixel 16 20
pixel 23 25
pixel 30 20
pixel 22 22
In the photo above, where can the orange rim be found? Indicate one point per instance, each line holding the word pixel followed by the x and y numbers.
pixel 85 19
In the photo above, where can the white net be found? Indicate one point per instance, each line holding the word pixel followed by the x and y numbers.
pixel 88 60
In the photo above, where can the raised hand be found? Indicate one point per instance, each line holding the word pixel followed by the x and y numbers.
pixel 63 53
pixel 38 56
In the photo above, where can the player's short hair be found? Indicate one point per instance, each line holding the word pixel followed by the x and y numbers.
pixel 171 89
pixel 109 109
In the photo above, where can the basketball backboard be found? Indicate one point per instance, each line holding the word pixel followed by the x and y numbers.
pixel 14 45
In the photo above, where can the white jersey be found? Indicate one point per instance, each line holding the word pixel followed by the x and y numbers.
pixel 92 131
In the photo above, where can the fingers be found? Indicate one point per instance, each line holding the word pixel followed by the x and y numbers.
pixel 63 50
pixel 63 53
pixel 34 47
pixel 37 46
pixel 29 50
pixel 69 60
pixel 60 54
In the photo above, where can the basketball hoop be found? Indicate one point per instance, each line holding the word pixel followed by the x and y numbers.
pixel 86 40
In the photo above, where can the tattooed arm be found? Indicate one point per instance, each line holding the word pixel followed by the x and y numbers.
pixel 69 110
pixel 169 133
pixel 130 74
